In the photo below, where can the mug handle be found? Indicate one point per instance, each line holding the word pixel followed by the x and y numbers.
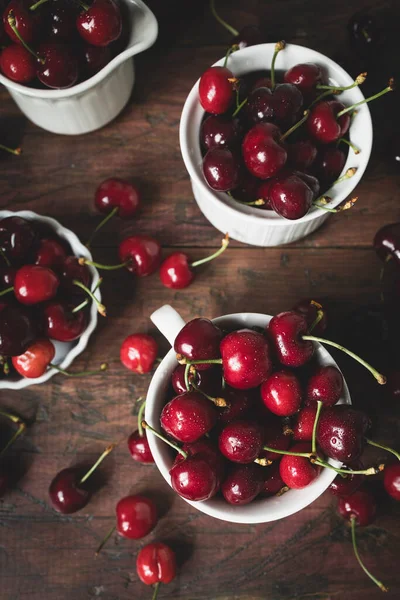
pixel 168 321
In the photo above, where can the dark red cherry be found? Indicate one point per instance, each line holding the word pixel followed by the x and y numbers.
pixel 247 190
pixel 60 23
pixel 156 563
pixel 274 437
pixel 311 181
pixel 288 101
pixel 36 359
pixel 221 169
pixel 304 423
pixel 50 253
pixel 305 76
pixel 326 385
pixel 282 393
pixel 219 131
pixel 345 486
pixel 341 431
pixel 387 242
pixel 391 480
pixel 364 31
pixel 117 193
pixel 239 403
pixel 302 154
pixel 139 448
pixel 199 340
pixel 195 478
pixel 66 494
pixel 242 484
pixel 324 125
pixel 329 164
pixel 71 270
pixel 142 254
pixel 138 353
pixel 59 68
pixel 309 310
pixel 61 324
pixel 16 238
pixel 17 64
pixel 249 35
pixel 361 505
pixel 241 441
pixel 34 284
pixel 94 58
pixel 246 359
pixel 17 330
pixel 263 152
pixel 260 105
pixel 263 192
pixel 215 90
pixel 273 482
pixel 208 450
pixel 136 516
pixel 101 23
pixel 290 196
pixel 188 417
pixel 298 472
pixel 27 22
pixel 286 330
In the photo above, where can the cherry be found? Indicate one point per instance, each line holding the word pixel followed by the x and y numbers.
pixel 282 393
pixel 297 471
pixel 138 443
pixel 17 331
pixel 16 238
pixel 216 90
pixel 57 67
pixel 341 431
pixel 221 169
pixel 142 253
pixel 364 31
pixel 50 253
pixel 17 64
pixel 391 480
pixel 263 193
pixel 61 324
pixel 242 484
pixel 100 23
pixel 248 191
pixel 34 284
pixel 282 104
pixel 304 423
pixel 302 154
pixel 208 450
pixel 73 270
pixel 136 516
pixel 219 131
pixel 305 76
pixel 311 310
pixel 207 381
pixel 35 360
pixel 27 22
pixel 325 124
pixel 329 163
pixel 139 352
pixel 246 359
pixel 263 152
pixel 346 486
pixel 260 105
pixel 195 478
pixel 156 564
pixel 198 340
pixel 61 20
pixel 188 417
pixel 117 196
pixel 387 242
pixel 94 58
pixel 241 441
pixel 291 197
pixel 239 403
pixel 68 492
pixel 274 437
pixel 286 330
pixel 326 385
pixel 273 483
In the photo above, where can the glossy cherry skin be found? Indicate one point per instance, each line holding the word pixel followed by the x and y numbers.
pixel 310 312
pixel 360 505
pixel 260 105
pixel 290 196
pixel 324 126
pixel 17 64
pixel 114 193
pixel 195 478
pixel 219 131
pixel 60 67
pixel 221 169
pixel 246 359
pixel 138 353
pixel 329 164
pixel 209 451
pixel 302 154
pixel 136 516
pixel 176 272
pixel 139 448
pixel 346 486
pixel 188 417
pixel 66 494
pixel 387 242
pixel 50 253
pixel 288 101
pixel 274 438
pixel 61 324
pixel 61 20
pixel 241 441
pixel 215 90
pixel 326 385
pixel 340 432
pixel 282 393
pixel 286 330
pixel 16 238
pixel 71 270
pixel 305 76
pixel 391 480
pixel 249 35
pixel 94 58
pixel 156 563
pixel 273 482
pixel 263 191
pixel 17 331
pixel 101 23
pixel 239 402
pixel 263 153
pixel 143 254
pixel 242 484
pixel 35 360
pixel 304 424
pixel 298 472
pixel 34 284
pixel 208 381
pixel 27 22
pixel 199 340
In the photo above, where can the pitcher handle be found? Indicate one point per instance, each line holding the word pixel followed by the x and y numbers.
pixel 168 321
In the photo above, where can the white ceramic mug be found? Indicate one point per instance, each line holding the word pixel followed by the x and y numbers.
pixel 265 227
pixel 261 510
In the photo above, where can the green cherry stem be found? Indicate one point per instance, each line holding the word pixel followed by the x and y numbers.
pixel 186 375
pixel 216 16
pixel 101 224
pixel 15 151
pixel 387 89
pixel 4 256
pixel 164 439
pixel 12 23
pixel 288 452
pixel 278 47
pixel 314 431
pixel 105 540
pixel 228 53
pixel 86 261
pixel 381 379
pixel 382 447
pixel 359 80
pixel 369 471
pixel 320 314
pixel 103 368
pixel 98 461
pixel 39 3
pixel 348 143
pixel 140 418
pixel 224 245
pixel 86 302
pixel 326 199
pixel 100 307
pixel 21 428
pixel 7 291
pixel 220 402
pixel 156 590
pixel 380 585
pixel 239 106
pixel 295 126
pixel 184 361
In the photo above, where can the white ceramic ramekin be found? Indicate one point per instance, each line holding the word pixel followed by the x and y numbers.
pixel 261 510
pixel 66 352
pixel 264 227
pixel 97 101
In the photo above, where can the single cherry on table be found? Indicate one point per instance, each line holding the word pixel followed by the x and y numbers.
pixel 138 353
pixel 156 564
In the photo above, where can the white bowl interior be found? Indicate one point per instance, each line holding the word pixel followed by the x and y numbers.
pixel 65 352
pixel 257 58
pixel 261 510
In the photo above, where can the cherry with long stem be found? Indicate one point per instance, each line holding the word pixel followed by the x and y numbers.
pixel 389 88
pixel 295 126
pixel 353 524
pixel 14 151
pixel 100 307
pixel 101 224
pixel 164 439
pixel 106 452
pixel 21 428
pixel 228 27
pixel 279 46
pixel 13 24
pixel 202 261
pixel 382 447
pixel 314 431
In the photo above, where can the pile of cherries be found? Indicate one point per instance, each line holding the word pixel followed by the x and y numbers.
pixel 56 43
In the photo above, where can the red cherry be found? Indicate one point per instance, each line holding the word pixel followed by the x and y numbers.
pixel 142 254
pixel 323 124
pixel 325 385
pixel 273 482
pixel 221 169
pixel 195 478
pixel 309 310
pixel 117 194
pixel 391 480
pixel 297 471
pixel 188 417
pixel 282 393
pixel 340 433
pixel 156 563
pixel 243 484
pixel 136 516
pixel 263 192
pixel 61 20
pixel 239 403
pixel 35 360
pixel 17 64
pixel 61 324
pixel 139 448
pixel 94 58
pixel 101 23
pixel 246 359
pixel 346 486
pixel 59 68
pixel 291 196
pixel 17 330
pixel 361 505
pixel 199 340
pixel 263 152
pixel 304 76
pixel 16 238
pixel 50 253
pixel 34 284
pixel 302 154
pixel 215 90
pixel 329 164
pixel 27 22
pixel 304 424
pixel 285 331
pixel 219 132
pixel 175 271
pixel 241 441
pixel 208 450
pixel 139 352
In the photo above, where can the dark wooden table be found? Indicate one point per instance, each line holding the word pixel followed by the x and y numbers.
pixel 47 556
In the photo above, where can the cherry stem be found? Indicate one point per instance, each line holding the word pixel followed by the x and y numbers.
pixel 220 402
pixel 371 443
pixel 98 461
pixel 364 568
pixel 164 439
pixel 101 224
pixel 7 291
pixel 21 428
pixel 278 47
pixel 239 107
pixel 231 29
pixel 103 368
pixel 321 96
pixel 381 379
pixel 4 256
pixel 105 540
pixel 140 418
pixel 387 89
pixel 258 202
pixel 86 302
pixel 359 80
pixel 39 3
pixel 100 307
pixel 211 361
pixel 228 53
pixel 352 146
pixel 13 25
pixel 345 206
pixel 15 151
pixel 369 471
pixel 320 314
pixel 85 261
pixel 314 431
pixel 156 589
pixel 288 452
pixel 186 375
pixel 224 245
pixel 295 126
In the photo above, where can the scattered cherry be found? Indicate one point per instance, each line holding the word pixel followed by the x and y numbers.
pixel 364 31
pixel 139 353
pixel 391 480
pixel 116 196
pixel 136 516
pixel 156 564
pixel 387 242
pixel 35 360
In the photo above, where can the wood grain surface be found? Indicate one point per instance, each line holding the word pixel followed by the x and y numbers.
pixel 45 556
